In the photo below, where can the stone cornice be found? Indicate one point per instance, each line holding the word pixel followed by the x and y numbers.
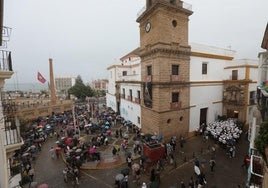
pixel 166 48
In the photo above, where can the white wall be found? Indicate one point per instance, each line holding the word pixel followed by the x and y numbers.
pixel 111 101
pixel 203 97
pixel 214 69
pixel 130 111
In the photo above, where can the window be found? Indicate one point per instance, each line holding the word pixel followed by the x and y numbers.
pixel 204 68
pixel 252 96
pixel 138 94
pixel 124 92
pixel 175 97
pixel 130 94
pixel 124 73
pixel 149 70
pixel 175 70
pixel 138 119
pixel 234 74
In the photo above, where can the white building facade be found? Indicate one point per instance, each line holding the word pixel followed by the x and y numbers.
pixel 210 67
pixel 124 88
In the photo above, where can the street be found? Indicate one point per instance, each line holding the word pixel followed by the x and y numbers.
pixel 228 171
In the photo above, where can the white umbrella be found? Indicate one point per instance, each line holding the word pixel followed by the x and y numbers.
pixel 197 170
pixel 119 177
pixel 25 154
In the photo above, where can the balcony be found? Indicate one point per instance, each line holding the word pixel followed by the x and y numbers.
pixel 11 134
pixel 137 100
pixel 186 6
pixel 262 102
pixel 6 70
pixel 252 101
pixel 148 78
pixel 175 105
pixel 129 98
pixel 175 78
pixel 256 170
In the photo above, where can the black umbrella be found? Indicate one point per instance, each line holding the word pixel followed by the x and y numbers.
pixel 125 171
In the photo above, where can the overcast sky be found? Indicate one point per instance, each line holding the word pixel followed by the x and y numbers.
pixel 84 37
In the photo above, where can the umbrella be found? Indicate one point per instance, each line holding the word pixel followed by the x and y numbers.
pixel 44 185
pixel 38 140
pixel 92 150
pixel 33 147
pixel 153 137
pixel 74 148
pixel 107 127
pixel 137 142
pixel 78 150
pixel 119 177
pixel 135 166
pixel 70 150
pixel 108 131
pixel 25 154
pixel 88 125
pixel 81 139
pixel 125 136
pixel 125 171
pixel 57 142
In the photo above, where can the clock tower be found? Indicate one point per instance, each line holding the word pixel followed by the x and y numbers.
pixel 165 68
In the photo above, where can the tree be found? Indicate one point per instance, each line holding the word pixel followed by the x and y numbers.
pixel 261 142
pixel 80 90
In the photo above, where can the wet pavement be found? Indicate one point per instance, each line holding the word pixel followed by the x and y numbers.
pixel 228 171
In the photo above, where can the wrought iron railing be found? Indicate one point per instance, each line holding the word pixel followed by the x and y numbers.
pixel 11 131
pixel 184 5
pixel 5 60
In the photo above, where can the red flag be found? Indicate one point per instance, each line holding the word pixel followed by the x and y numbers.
pixel 41 78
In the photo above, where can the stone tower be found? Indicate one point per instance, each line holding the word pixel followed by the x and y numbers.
pixel 52 85
pixel 165 64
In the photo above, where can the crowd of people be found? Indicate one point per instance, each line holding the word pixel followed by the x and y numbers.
pixel 225 132
pixel 77 150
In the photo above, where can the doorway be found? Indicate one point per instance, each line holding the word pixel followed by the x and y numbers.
pixel 232 113
pixel 203 116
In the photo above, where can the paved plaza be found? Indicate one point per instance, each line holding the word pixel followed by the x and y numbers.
pixel 228 171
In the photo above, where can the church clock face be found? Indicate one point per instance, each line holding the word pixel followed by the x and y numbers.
pixel 147 27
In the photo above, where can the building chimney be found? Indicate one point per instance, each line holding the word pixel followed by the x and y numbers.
pixel 52 85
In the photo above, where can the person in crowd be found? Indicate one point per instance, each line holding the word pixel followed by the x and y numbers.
pixel 114 151
pixel 212 164
pixel 182 185
pixel 31 174
pixel 129 161
pixel 152 176
pixel 191 182
pixel 246 162
pixel 52 152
